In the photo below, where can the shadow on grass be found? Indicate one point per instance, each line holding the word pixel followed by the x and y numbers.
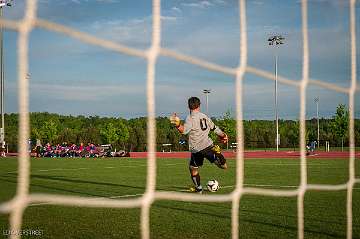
pixel 55 188
pixel 255 221
pixel 65 179
pixel 12 179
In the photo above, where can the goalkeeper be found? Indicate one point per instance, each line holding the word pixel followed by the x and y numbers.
pixel 198 125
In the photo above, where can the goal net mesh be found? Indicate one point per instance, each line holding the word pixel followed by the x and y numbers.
pixel 17 205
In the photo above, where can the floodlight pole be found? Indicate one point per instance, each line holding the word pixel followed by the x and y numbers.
pixel 317 117
pixel 276 102
pixel 275 41
pixel 2 130
pixel 2 80
pixel 207 92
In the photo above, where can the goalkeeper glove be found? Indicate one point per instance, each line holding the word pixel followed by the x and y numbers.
pixel 175 120
pixel 224 139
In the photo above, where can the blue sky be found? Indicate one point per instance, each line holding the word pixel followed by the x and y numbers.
pixel 70 77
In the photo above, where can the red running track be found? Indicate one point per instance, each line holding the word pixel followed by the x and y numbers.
pixel 252 154
pixel 248 154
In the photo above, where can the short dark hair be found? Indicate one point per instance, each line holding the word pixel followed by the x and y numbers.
pixel 193 103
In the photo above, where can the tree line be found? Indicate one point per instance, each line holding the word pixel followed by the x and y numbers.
pixel 130 134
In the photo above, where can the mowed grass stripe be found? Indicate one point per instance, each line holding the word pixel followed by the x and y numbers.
pixel 260 216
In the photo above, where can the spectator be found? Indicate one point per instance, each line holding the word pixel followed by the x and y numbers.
pixel 72 150
pixel 313 146
pixel 29 145
pixel 80 150
pixel 48 150
pixel 38 148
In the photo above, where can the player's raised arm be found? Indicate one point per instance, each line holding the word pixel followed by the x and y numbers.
pixel 175 120
pixel 222 136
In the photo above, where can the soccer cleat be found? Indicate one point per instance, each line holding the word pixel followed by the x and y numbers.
pixel 216 148
pixel 219 157
pixel 196 190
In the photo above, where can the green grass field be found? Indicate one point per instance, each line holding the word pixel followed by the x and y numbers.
pixel 260 216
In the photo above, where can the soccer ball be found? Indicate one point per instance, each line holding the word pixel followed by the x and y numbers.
pixel 213 185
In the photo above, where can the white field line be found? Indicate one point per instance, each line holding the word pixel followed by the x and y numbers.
pixel 74 169
pixel 93 198
pixel 173 164
pixel 285 164
pixel 126 196
pixel 260 185
pixel 108 167
pixel 185 190
pixel 270 186
pixel 253 185
pixel 61 169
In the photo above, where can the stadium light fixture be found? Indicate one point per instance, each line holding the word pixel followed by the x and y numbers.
pixel 3 3
pixel 317 117
pixel 207 92
pixel 275 41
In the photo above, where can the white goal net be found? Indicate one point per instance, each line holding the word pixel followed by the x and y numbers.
pixel 17 205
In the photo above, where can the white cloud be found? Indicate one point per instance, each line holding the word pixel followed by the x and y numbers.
pixel 211 43
pixel 273 29
pixel 256 2
pixel 220 2
pixel 136 31
pixel 84 92
pixel 176 9
pixel 201 4
pixel 100 1
pixel 107 1
pixel 168 18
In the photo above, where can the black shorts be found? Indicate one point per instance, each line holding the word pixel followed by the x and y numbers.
pixel 197 159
